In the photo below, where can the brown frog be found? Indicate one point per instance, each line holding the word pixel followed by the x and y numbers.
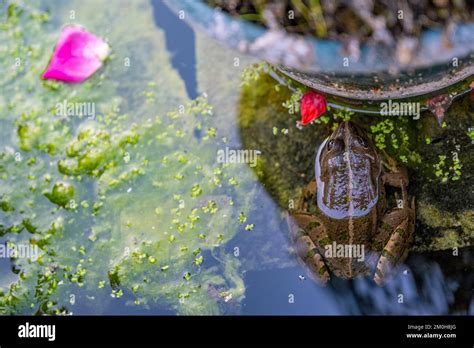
pixel 341 225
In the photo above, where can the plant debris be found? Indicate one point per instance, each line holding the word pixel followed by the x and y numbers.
pixel 355 21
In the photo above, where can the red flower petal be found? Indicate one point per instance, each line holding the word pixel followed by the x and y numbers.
pixel 78 55
pixel 312 106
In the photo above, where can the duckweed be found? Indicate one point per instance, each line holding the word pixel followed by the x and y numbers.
pixel 249 227
pixel 252 73
pixel 444 173
pixel 196 191
pixel 198 260
pixel 233 181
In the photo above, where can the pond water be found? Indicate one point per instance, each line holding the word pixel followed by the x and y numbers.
pixel 131 211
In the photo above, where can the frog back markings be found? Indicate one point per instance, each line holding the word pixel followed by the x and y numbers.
pixel 347 172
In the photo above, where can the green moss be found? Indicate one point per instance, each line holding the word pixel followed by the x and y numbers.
pixel 470 134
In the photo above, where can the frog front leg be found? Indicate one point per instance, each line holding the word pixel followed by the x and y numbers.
pixel 394 175
pixel 394 238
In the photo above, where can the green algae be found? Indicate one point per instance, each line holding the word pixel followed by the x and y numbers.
pixel 62 194
pixel 266 246
pixel 126 205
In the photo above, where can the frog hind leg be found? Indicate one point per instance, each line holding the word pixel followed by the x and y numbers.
pixel 398 226
pixel 302 228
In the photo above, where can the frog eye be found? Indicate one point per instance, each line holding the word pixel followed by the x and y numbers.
pixel 361 142
pixel 331 144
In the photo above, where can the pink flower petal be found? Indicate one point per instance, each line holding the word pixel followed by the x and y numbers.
pixel 439 105
pixel 312 106
pixel 78 55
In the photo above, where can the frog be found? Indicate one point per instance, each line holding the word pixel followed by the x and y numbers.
pixel 342 224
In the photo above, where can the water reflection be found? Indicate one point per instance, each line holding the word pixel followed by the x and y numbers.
pixel 180 43
pixel 422 288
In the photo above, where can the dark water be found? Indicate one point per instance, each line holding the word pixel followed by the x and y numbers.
pixel 180 42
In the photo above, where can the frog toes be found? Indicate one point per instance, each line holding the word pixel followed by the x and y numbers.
pixel 318 268
pixel 393 253
pixel 309 254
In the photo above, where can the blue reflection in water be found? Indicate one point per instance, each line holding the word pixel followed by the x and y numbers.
pixel 180 43
pixel 281 291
